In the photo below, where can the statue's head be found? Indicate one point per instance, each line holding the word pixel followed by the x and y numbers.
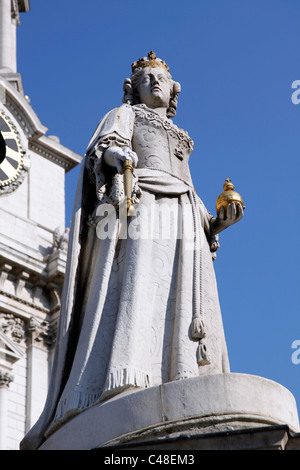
pixel 151 84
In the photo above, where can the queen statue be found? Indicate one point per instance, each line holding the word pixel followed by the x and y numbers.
pixel 140 303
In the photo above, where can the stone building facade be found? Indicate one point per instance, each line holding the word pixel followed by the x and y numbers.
pixel 33 242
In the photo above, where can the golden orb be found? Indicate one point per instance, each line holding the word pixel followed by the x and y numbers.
pixel 228 196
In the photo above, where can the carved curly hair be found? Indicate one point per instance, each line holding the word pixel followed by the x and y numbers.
pixel 131 95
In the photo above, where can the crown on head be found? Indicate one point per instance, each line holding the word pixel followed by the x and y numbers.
pixel 150 61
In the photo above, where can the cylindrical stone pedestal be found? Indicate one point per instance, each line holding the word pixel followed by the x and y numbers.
pixel 212 403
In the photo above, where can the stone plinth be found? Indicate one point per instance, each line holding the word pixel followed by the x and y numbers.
pixel 278 437
pixel 181 409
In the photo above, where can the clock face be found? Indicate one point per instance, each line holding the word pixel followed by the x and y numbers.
pixel 11 153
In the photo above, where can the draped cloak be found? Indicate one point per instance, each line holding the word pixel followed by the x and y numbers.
pixel 139 307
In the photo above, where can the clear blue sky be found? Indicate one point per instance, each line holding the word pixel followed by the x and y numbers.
pixel 236 61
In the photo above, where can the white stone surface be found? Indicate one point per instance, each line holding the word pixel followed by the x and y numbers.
pixel 17 202
pixel 39 199
pixel 47 193
pixel 16 409
pixel 221 397
pixel 37 382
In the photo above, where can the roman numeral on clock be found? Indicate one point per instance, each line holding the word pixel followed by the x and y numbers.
pixel 8 169
pixel 12 154
pixel 8 135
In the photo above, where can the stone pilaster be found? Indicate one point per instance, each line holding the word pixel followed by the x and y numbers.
pixel 5 380
pixel 39 341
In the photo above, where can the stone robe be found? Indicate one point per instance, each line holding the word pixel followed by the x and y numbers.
pixel 140 307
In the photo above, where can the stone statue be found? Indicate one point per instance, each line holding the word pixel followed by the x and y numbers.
pixel 140 305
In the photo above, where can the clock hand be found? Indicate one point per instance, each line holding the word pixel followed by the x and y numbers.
pixel 2 148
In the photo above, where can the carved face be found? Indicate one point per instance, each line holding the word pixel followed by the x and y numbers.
pixel 154 87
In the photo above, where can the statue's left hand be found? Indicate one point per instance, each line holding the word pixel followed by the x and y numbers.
pixel 228 217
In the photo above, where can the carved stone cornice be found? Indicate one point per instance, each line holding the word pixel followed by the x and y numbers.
pixel 13 327
pixel 24 302
pixel 40 292
pixel 50 155
pixel 41 332
pixel 4 270
pixel 5 379
pixel 20 116
pixel 21 279
pixel 34 331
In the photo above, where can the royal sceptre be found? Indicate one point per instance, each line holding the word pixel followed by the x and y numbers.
pixel 127 174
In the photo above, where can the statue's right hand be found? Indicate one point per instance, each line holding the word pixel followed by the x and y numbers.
pixel 116 156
